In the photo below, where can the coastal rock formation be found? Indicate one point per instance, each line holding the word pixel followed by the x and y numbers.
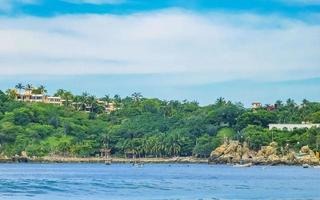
pixel 307 156
pixel 289 158
pixel 22 158
pixel 231 152
pixel 268 155
pixel 235 152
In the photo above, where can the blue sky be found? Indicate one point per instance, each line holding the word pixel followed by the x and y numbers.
pixel 258 50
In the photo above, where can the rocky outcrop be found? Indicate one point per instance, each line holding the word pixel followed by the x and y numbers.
pixel 234 152
pixel 306 156
pixel 268 155
pixel 231 152
pixel 21 158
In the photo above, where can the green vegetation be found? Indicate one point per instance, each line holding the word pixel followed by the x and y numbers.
pixel 146 127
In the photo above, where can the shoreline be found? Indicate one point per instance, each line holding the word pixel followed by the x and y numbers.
pixel 118 160
pixel 60 159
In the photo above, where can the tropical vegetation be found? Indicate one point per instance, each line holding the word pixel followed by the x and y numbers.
pixel 146 127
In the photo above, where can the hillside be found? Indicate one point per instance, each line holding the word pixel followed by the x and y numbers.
pixel 148 127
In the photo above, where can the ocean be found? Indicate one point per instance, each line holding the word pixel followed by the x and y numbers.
pixel 156 181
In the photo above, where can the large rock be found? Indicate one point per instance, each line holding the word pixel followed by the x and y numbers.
pixel 268 150
pixel 305 149
pixel 230 152
pixel 247 154
pixel 289 158
pixel 24 154
pixel 232 147
pixel 268 155
pixel 234 152
pixel 219 151
pixel 307 156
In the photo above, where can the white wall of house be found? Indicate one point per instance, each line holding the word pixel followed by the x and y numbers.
pixel 291 127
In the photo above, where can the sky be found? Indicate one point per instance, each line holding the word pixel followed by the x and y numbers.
pixel 244 50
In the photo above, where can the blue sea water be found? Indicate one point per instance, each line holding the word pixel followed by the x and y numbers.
pixel 156 181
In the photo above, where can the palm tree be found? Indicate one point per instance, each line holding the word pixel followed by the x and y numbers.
pixel 19 87
pixel 42 89
pixel 220 101
pixel 67 96
pixel 279 103
pixel 136 96
pixel 77 102
pixel 28 87
pixel 176 148
pixel 59 93
pixel 117 100
pixel 85 96
pixel 106 138
pixel 290 102
pixel 92 101
pixel 83 100
pixel 106 98
pixel 305 102
pixel 11 93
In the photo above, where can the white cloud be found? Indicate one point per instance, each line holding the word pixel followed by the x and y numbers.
pixel 99 2
pixel 210 47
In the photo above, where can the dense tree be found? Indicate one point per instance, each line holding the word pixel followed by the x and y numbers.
pixel 145 127
pixel 259 118
pixel 204 145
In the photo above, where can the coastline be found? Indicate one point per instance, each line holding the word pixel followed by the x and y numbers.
pixel 61 159
pixel 117 160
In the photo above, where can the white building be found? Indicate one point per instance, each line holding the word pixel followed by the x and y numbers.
pixel 256 105
pixel 54 100
pixel 291 127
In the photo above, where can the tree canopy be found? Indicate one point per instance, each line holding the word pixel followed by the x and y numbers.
pixel 145 127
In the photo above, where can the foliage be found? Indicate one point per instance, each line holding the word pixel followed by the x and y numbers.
pixel 144 127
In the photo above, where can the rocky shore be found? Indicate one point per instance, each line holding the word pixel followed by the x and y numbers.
pixel 62 159
pixel 233 152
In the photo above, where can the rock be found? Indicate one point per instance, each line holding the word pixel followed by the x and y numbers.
pixel 230 152
pixel 305 149
pixel 274 145
pixel 24 154
pixel 308 159
pixel 268 155
pixel 22 158
pixel 273 159
pixel 234 152
pixel 269 150
pixel 289 158
pixel 307 156
pixel 232 147
pixel 218 151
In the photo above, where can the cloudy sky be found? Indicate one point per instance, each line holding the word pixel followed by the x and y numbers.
pixel 257 50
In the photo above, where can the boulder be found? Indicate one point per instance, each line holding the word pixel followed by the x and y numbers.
pixel 218 151
pixel 307 156
pixel 234 152
pixel 24 154
pixel 230 152
pixel 232 147
pixel 268 155
pixel 305 149
pixel 289 158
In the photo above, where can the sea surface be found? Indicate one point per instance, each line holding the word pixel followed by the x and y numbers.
pixel 156 181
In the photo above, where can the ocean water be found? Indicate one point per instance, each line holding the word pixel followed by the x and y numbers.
pixel 156 181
